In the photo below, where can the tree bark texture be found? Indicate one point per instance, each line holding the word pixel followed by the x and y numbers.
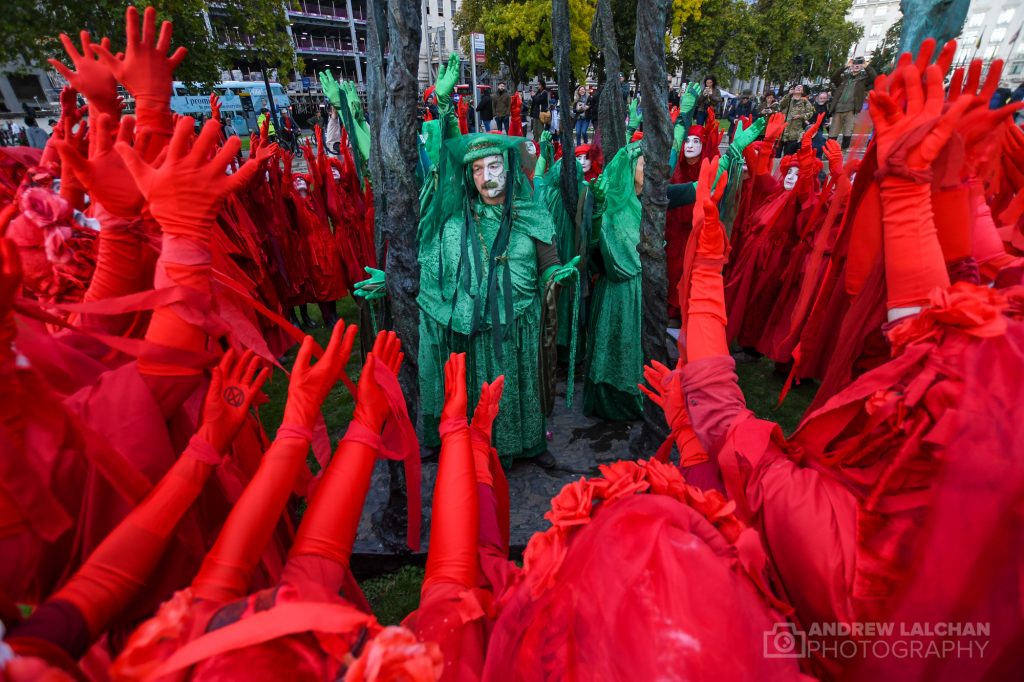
pixel 395 27
pixel 560 38
pixel 611 110
pixel 651 25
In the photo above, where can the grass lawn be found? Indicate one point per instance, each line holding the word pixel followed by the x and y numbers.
pixel 394 595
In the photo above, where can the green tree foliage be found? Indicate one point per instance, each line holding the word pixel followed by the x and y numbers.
pixel 785 40
pixel 518 34
pixel 30 28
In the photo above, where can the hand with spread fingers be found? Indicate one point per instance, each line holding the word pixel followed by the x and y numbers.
pixel 234 388
pixel 91 77
pixel 309 384
pixel 185 189
pixel 372 407
pixel 103 172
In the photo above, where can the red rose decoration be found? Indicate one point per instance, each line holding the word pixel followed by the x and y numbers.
pixel 543 557
pixel 573 504
pixel 665 479
pixel 625 477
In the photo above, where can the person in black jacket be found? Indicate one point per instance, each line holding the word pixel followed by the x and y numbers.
pixel 485 109
pixel 743 106
pixel 540 109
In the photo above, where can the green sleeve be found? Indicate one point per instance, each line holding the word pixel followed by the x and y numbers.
pixel 682 194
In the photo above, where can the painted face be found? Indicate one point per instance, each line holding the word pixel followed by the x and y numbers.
pixel 693 147
pixel 489 175
pixel 335 174
pixel 638 175
pixel 530 149
pixel 792 175
pixel 585 162
pixel 300 186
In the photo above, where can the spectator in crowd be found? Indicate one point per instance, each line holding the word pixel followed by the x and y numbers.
pixel 581 114
pixel 624 88
pixel 501 103
pixel 35 136
pixel 540 109
pixel 228 127
pixel 470 114
pixel 271 130
pixel 852 84
pixel 711 97
pixel 673 95
pixel 485 109
pixel 743 106
pixel 799 113
pixel 770 105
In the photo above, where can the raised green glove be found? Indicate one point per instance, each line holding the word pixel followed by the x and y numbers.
pixel 373 287
pixel 355 105
pixel 560 273
pixel 678 137
pixel 743 138
pixel 634 114
pixel 688 100
pixel 447 77
pixel 331 88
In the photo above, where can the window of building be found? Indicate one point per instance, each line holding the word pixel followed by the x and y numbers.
pixel 1016 68
pixel 1005 16
pixel 876 30
pixel 990 52
pixel 997 35
pixel 976 20
pixel 455 7
pixel 858 13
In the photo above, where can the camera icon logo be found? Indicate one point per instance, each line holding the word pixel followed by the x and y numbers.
pixel 784 641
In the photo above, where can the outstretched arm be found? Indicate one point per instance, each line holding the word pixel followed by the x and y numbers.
pixel 227 569
pixel 120 567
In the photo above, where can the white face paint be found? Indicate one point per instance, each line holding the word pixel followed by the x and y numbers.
pixel 585 162
pixel 693 147
pixel 335 174
pixel 530 149
pixel 300 186
pixel 489 175
pixel 792 175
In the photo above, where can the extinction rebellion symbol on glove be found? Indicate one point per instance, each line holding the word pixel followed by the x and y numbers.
pixel 233 396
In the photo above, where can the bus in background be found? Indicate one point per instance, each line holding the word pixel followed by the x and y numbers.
pixel 241 101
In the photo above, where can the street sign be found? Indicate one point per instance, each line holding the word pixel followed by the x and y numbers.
pixel 479 49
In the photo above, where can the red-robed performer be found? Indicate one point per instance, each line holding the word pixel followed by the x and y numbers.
pixel 701 143
pixel 877 509
pixel 770 238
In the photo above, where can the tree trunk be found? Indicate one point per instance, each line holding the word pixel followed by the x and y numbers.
pixel 611 110
pixel 651 26
pixel 396 28
pixel 560 36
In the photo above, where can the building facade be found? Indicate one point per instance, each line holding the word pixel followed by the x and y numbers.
pixel 439 37
pixel 875 17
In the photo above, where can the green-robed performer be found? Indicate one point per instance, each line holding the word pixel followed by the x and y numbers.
pixel 486 253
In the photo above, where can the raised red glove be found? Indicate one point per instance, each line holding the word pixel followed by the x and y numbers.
pixel 147 73
pixel 186 190
pixel 372 407
pixel 214 106
pixel 452 557
pixel 329 526
pixel 808 136
pixel 310 384
pixel 234 388
pixel 484 454
pixel 104 173
pixel 907 143
pixel 772 131
pixel 667 393
pixel 91 77
pixel 122 564
pixel 705 316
